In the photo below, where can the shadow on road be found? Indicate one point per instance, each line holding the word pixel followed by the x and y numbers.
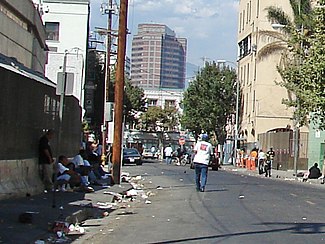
pixel 294 228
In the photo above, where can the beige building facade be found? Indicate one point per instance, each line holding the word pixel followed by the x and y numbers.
pixel 261 98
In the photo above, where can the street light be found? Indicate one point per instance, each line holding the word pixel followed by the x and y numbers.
pixel 237 108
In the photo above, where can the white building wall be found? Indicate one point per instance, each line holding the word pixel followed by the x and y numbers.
pixel 163 95
pixel 73 35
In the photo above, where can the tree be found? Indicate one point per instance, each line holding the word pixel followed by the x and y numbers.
pixel 301 10
pixel 134 102
pixel 304 72
pixel 210 100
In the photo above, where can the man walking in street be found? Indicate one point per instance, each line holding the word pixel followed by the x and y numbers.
pixel 203 152
pixel 46 160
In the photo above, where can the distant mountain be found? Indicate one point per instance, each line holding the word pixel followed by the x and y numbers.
pixel 191 71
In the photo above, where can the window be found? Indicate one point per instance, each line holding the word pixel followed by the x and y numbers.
pixel 170 103
pixel 152 102
pixel 52 30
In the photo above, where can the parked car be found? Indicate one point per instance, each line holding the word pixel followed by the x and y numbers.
pixel 148 154
pixel 131 156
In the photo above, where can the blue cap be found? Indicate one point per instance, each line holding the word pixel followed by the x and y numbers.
pixel 204 137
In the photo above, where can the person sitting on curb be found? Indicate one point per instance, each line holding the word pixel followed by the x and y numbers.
pixel 314 172
pixel 67 176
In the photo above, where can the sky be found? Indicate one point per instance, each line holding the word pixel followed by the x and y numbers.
pixel 210 26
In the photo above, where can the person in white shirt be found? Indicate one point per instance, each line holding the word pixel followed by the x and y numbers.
pixel 66 175
pixel 261 161
pixel 203 151
pixel 168 154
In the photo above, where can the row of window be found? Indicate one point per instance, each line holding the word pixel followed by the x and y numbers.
pixel 245 15
pixel 168 103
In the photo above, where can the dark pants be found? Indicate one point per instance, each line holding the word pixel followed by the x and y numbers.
pixel 268 169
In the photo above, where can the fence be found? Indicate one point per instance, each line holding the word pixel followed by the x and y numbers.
pixel 283 144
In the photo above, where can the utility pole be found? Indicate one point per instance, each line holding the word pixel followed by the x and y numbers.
pixel 107 78
pixel 119 92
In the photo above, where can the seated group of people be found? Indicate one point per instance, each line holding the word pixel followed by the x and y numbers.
pixel 83 170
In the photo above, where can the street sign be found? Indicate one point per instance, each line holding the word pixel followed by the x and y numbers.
pixel 69 79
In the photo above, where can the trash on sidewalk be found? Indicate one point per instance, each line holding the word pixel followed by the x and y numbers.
pixel 60 227
pixel 131 193
pixel 159 188
pixel 105 205
pixel 241 197
pixel 118 196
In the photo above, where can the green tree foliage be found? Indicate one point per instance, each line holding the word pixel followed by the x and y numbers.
pixel 158 118
pixel 134 102
pixel 209 100
pixel 304 72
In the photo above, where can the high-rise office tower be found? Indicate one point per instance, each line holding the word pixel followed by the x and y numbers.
pixel 158 58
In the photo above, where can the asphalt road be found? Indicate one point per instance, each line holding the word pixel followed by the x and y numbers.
pixel 236 208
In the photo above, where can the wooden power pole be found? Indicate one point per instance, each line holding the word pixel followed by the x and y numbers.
pixel 119 92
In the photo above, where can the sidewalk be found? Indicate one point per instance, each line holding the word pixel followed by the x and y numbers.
pixel 40 212
pixel 275 174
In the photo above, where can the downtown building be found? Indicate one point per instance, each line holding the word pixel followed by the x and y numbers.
pixel 158 64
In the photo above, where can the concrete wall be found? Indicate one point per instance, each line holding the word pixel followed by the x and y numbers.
pixel 316 148
pixel 22 34
pixel 19 178
pixel 27 108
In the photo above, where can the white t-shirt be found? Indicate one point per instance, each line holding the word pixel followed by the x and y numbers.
pixel 203 152
pixel 78 161
pixel 168 151
pixel 261 155
pixel 62 168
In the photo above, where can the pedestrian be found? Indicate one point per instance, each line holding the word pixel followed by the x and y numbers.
pixel 203 152
pixel 261 162
pixel 269 161
pixel 270 154
pixel 45 160
pixel 168 154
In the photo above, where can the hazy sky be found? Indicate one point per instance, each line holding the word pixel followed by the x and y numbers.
pixel 210 26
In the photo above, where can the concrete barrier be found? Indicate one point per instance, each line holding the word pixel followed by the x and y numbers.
pixel 19 177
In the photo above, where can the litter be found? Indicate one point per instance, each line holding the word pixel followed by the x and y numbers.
pixel 131 193
pixel 147 202
pixel 159 188
pixel 241 197
pixel 39 242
